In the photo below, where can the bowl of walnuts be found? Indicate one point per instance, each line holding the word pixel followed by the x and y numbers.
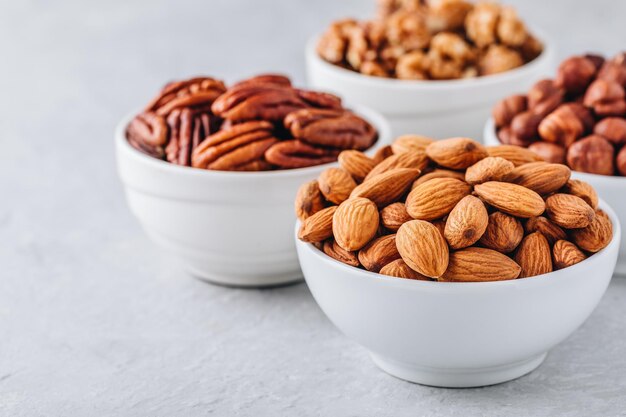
pixel 452 263
pixel 433 67
pixel 211 171
pixel 579 119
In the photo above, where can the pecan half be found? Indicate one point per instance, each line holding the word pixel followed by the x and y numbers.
pixel 195 92
pixel 297 154
pixel 275 79
pixel 147 132
pixel 240 147
pixel 335 128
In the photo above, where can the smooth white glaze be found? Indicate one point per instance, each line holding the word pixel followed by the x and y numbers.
pixel 458 334
pixel 610 189
pixel 232 228
pixel 439 109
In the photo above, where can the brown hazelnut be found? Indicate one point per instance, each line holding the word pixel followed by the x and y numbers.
pixel 620 161
pixel 524 126
pixel 597 60
pixel 583 114
pixel 504 111
pixel 549 152
pixel 562 126
pixel 592 154
pixel 504 135
pixel 606 98
pixel 614 70
pixel 613 129
pixel 544 96
pixel 575 74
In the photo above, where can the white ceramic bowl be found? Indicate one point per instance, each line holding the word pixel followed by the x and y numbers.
pixel 232 228
pixel 458 334
pixel 610 189
pixel 439 109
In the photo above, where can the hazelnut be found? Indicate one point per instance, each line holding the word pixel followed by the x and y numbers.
pixel 549 152
pixel 575 74
pixel 505 135
pixel 606 98
pixel 592 154
pixel 614 70
pixel 613 129
pixel 499 58
pixel 620 161
pixel 524 126
pixel 562 126
pixel 583 114
pixel 597 60
pixel 544 96
pixel 504 111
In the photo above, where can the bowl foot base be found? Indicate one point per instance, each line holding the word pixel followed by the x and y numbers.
pixel 620 268
pixel 247 282
pixel 458 378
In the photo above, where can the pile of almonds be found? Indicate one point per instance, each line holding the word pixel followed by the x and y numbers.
pixel 452 210
pixel 258 124
pixel 431 39
pixel 579 118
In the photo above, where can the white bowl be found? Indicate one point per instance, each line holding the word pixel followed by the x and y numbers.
pixel 439 109
pixel 611 189
pixel 458 334
pixel 232 228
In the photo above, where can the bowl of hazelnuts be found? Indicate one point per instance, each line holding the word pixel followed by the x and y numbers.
pixel 578 119
pixel 434 67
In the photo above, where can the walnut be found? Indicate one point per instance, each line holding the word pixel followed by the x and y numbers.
pixel 447 14
pixel 481 23
pixel 497 59
pixel 452 47
pixel 408 29
pixel 374 68
pixel 511 30
pixel 358 47
pixel 412 66
pixel 388 7
pixel 333 44
pixel 531 48
pixel 441 68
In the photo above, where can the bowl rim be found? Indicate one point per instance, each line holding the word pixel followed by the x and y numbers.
pixel 490 132
pixel 394 83
pixel 418 284
pixel 372 116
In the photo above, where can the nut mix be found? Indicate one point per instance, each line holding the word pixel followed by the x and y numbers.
pixel 258 124
pixel 452 210
pixel 432 39
pixel 579 118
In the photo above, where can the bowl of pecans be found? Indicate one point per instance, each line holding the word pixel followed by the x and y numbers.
pixel 579 119
pixel 211 172
pixel 508 252
pixel 432 67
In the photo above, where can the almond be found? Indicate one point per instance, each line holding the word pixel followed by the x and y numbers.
pixel 355 223
pixel 400 269
pixel 596 236
pixel 308 200
pixel 541 177
pixel 492 168
pixel 385 188
pixel 516 154
pixel 551 231
pixel 382 154
pixel 379 252
pixel 406 143
pixel 435 198
pixel 479 264
pixel 583 190
pixel 456 153
pixel 511 199
pixel 566 254
pixel 336 185
pixel 569 211
pixel 534 255
pixel 356 163
pixel 423 248
pixel 332 249
pixel 394 215
pixel 409 159
pixel 466 223
pixel 318 227
pixel 438 173
pixel 503 233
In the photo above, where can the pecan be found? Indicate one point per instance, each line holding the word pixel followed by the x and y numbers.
pixel 195 92
pixel 297 154
pixel 335 128
pixel 147 132
pixel 319 99
pixel 274 79
pixel 239 147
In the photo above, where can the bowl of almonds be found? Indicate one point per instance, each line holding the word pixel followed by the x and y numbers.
pixel 452 263
pixel 434 67
pixel 579 119
pixel 211 171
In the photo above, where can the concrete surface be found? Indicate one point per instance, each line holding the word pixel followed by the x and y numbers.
pixel 95 320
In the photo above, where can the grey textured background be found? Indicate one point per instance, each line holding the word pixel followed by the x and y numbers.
pixel 95 320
